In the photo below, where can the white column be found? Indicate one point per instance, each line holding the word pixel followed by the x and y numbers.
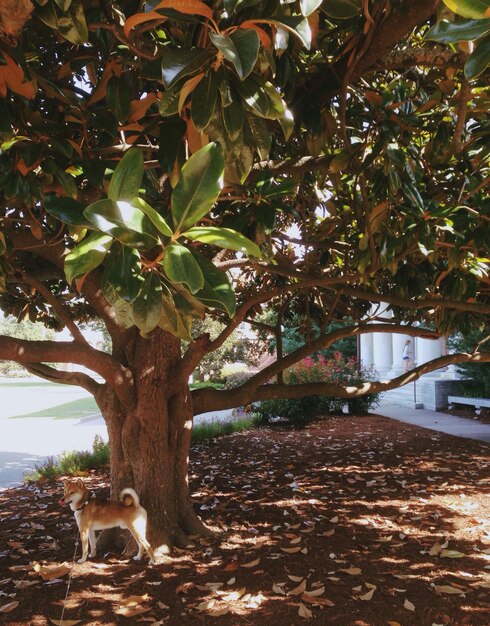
pixel 398 345
pixel 382 345
pixel 382 353
pixel 367 350
pixel 428 349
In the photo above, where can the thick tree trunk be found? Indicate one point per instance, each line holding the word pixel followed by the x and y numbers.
pixel 150 442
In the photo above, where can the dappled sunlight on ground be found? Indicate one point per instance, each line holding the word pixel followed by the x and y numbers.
pixel 355 521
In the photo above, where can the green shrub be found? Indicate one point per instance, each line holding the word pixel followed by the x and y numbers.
pixel 204 385
pixel 478 374
pixel 217 428
pixel 235 379
pixel 337 370
pixel 75 463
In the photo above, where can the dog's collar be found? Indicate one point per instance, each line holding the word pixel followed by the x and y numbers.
pixel 83 506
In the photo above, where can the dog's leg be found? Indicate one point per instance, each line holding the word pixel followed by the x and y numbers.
pixel 84 537
pixel 143 544
pixel 93 543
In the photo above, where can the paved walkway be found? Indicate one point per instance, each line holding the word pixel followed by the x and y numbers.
pixel 442 422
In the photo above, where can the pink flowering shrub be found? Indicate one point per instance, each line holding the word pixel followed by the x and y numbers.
pixel 337 370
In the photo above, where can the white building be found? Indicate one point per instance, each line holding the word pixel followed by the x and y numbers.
pixel 384 351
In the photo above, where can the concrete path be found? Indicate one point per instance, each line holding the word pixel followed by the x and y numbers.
pixel 442 422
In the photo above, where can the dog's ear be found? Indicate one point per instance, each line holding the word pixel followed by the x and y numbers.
pixel 80 483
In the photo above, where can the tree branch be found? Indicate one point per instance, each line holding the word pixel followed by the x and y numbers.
pixel 78 379
pixel 60 311
pixel 54 254
pixel 28 352
pixel 214 400
pixel 324 341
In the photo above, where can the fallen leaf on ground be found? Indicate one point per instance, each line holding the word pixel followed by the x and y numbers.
pixel 65 622
pixel 301 588
pixel 251 563
pixel 134 600
pixel 218 612
pixel 316 592
pixel 49 572
pixel 304 611
pixel 409 605
pixel 368 595
pixel 10 606
pixel 352 571
pixel 127 611
pixel 448 589
pixel 451 554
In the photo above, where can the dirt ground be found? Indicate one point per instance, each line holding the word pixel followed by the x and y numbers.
pixel 355 521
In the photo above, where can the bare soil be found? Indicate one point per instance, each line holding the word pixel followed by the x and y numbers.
pixel 354 521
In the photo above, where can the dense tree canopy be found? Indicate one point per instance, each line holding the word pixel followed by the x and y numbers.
pixel 164 160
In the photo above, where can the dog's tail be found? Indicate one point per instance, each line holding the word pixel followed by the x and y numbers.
pixel 129 497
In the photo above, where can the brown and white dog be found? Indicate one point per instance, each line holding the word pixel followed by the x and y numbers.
pixel 95 514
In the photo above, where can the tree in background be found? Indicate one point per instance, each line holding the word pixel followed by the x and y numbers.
pixel 25 330
pixel 236 349
pixel 476 375
pixel 170 159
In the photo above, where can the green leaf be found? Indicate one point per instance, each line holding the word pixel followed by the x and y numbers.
pixel 233 118
pixel 153 215
pixel 309 6
pixel 63 4
pixel 47 14
pixel 260 136
pixel 198 187
pixel 204 99
pixel 180 267
pixel 169 103
pixel 176 321
pixel 123 273
pixel 467 30
pixel 217 292
pixel 262 98
pixel 128 176
pixel 287 123
pixel 223 238
pixel 72 25
pixel 342 9
pixel 296 25
pixel 171 135
pixel 178 63
pixel 474 9
pixel 147 307
pixel 87 255
pixel 66 210
pixel 241 48
pixel 118 98
pixel 123 221
pixel 238 155
pixel 479 59
pixel 67 182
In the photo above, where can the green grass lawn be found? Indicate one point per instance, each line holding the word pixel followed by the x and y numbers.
pixel 69 410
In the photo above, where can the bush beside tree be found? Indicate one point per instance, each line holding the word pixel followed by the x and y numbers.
pixel 477 374
pixel 337 370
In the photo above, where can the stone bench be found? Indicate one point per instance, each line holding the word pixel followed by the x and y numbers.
pixel 478 403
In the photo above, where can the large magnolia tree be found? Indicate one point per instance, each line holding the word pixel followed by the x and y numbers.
pixel 165 160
